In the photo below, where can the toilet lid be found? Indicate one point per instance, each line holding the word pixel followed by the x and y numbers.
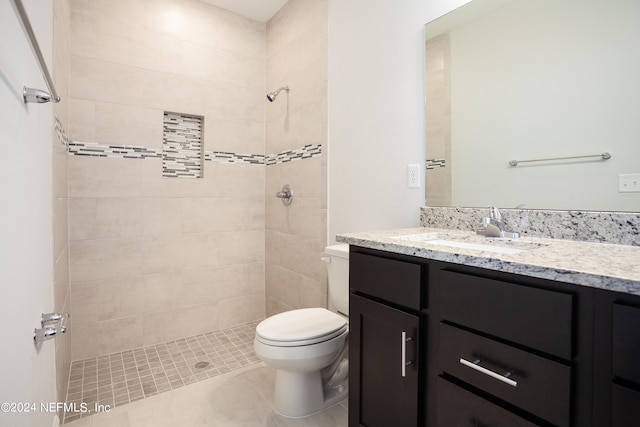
pixel 301 327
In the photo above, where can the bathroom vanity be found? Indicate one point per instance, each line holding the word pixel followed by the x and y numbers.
pixel 448 329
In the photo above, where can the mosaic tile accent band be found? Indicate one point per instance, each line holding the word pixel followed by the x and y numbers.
pixel 120 378
pixel 436 163
pixel 95 149
pixel 60 133
pixel 181 146
pixel 78 148
pixel 223 157
pixel 305 152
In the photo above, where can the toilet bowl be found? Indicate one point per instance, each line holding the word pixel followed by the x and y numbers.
pixel 308 348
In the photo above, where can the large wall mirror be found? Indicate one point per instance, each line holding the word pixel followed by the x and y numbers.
pixel 531 80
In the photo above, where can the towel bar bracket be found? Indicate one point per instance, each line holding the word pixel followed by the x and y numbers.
pixel 52 325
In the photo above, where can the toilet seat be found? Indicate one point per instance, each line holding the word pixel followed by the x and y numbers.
pixel 300 327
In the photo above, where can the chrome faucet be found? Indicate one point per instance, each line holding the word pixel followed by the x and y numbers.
pixel 492 226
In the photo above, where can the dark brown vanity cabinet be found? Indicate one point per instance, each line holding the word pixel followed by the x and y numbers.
pixel 385 337
pixel 487 348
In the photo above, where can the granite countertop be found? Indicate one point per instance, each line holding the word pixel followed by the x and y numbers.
pixel 598 265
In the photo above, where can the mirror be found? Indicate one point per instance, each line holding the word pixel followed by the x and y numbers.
pixel 531 80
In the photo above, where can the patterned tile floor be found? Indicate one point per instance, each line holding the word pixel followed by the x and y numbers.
pixel 120 378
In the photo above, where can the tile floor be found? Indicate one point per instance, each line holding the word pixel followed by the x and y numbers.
pixel 239 398
pixel 119 379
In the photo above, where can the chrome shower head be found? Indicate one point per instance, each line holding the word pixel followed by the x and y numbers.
pixel 271 96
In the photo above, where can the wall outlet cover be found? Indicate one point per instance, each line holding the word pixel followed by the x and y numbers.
pixel 413 176
pixel 629 183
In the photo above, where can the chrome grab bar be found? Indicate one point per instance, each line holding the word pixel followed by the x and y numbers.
pixel 30 94
pixel 476 366
pixel 52 325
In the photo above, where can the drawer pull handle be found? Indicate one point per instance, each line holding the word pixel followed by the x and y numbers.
pixel 476 365
pixel 405 362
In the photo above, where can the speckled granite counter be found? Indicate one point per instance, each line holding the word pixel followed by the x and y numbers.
pixel 597 265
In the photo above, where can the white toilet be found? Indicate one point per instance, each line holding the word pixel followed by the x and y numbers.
pixel 308 347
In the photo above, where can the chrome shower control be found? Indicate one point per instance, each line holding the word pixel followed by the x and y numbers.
pixel 286 194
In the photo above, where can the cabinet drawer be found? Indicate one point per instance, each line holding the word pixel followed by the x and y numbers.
pixel 626 345
pixel 536 318
pixel 625 406
pixel 395 281
pixel 539 386
pixel 461 408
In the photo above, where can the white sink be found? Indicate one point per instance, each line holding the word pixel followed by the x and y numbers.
pixel 472 242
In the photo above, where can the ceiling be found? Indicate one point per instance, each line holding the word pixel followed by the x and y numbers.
pixel 259 10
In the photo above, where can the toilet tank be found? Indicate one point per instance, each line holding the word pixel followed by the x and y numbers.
pixel 337 258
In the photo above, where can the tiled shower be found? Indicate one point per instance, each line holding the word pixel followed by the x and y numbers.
pixel 155 259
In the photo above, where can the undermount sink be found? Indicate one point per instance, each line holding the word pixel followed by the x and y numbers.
pixel 476 243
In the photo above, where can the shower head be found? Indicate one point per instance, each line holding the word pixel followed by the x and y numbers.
pixel 271 96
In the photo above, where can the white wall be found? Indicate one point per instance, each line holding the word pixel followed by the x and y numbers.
pixel 376 111
pixel 27 372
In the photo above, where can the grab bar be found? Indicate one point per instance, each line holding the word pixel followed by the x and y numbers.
pixel 603 156
pixel 30 94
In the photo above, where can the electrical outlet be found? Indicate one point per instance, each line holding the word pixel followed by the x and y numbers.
pixel 629 183
pixel 413 176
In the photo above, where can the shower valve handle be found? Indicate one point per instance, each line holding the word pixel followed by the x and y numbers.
pixel 286 194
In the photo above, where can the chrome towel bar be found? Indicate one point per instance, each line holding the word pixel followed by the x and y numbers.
pixel 603 156
pixel 52 325
pixel 30 94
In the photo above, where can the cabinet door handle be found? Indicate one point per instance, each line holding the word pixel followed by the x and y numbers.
pixel 405 363
pixel 476 365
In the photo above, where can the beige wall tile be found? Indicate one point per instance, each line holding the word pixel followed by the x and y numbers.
pixel 235 102
pixel 60 225
pixel 233 136
pixel 174 324
pixel 296 235
pixel 295 253
pixel 101 259
pixel 121 11
pixel 249 41
pixel 174 92
pixel 221 214
pixel 61 282
pixel 219 283
pixel 160 216
pixel 84 303
pixel 137 295
pixel 82 121
pixel 60 177
pixel 82 216
pixel 100 338
pixel 99 80
pixel 107 177
pixel 275 306
pixel 125 125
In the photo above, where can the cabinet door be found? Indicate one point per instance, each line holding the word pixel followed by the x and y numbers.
pixel 383 365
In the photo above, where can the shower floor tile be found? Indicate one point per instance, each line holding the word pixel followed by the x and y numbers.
pixel 120 378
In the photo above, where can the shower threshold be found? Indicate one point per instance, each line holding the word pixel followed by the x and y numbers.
pixel 105 382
